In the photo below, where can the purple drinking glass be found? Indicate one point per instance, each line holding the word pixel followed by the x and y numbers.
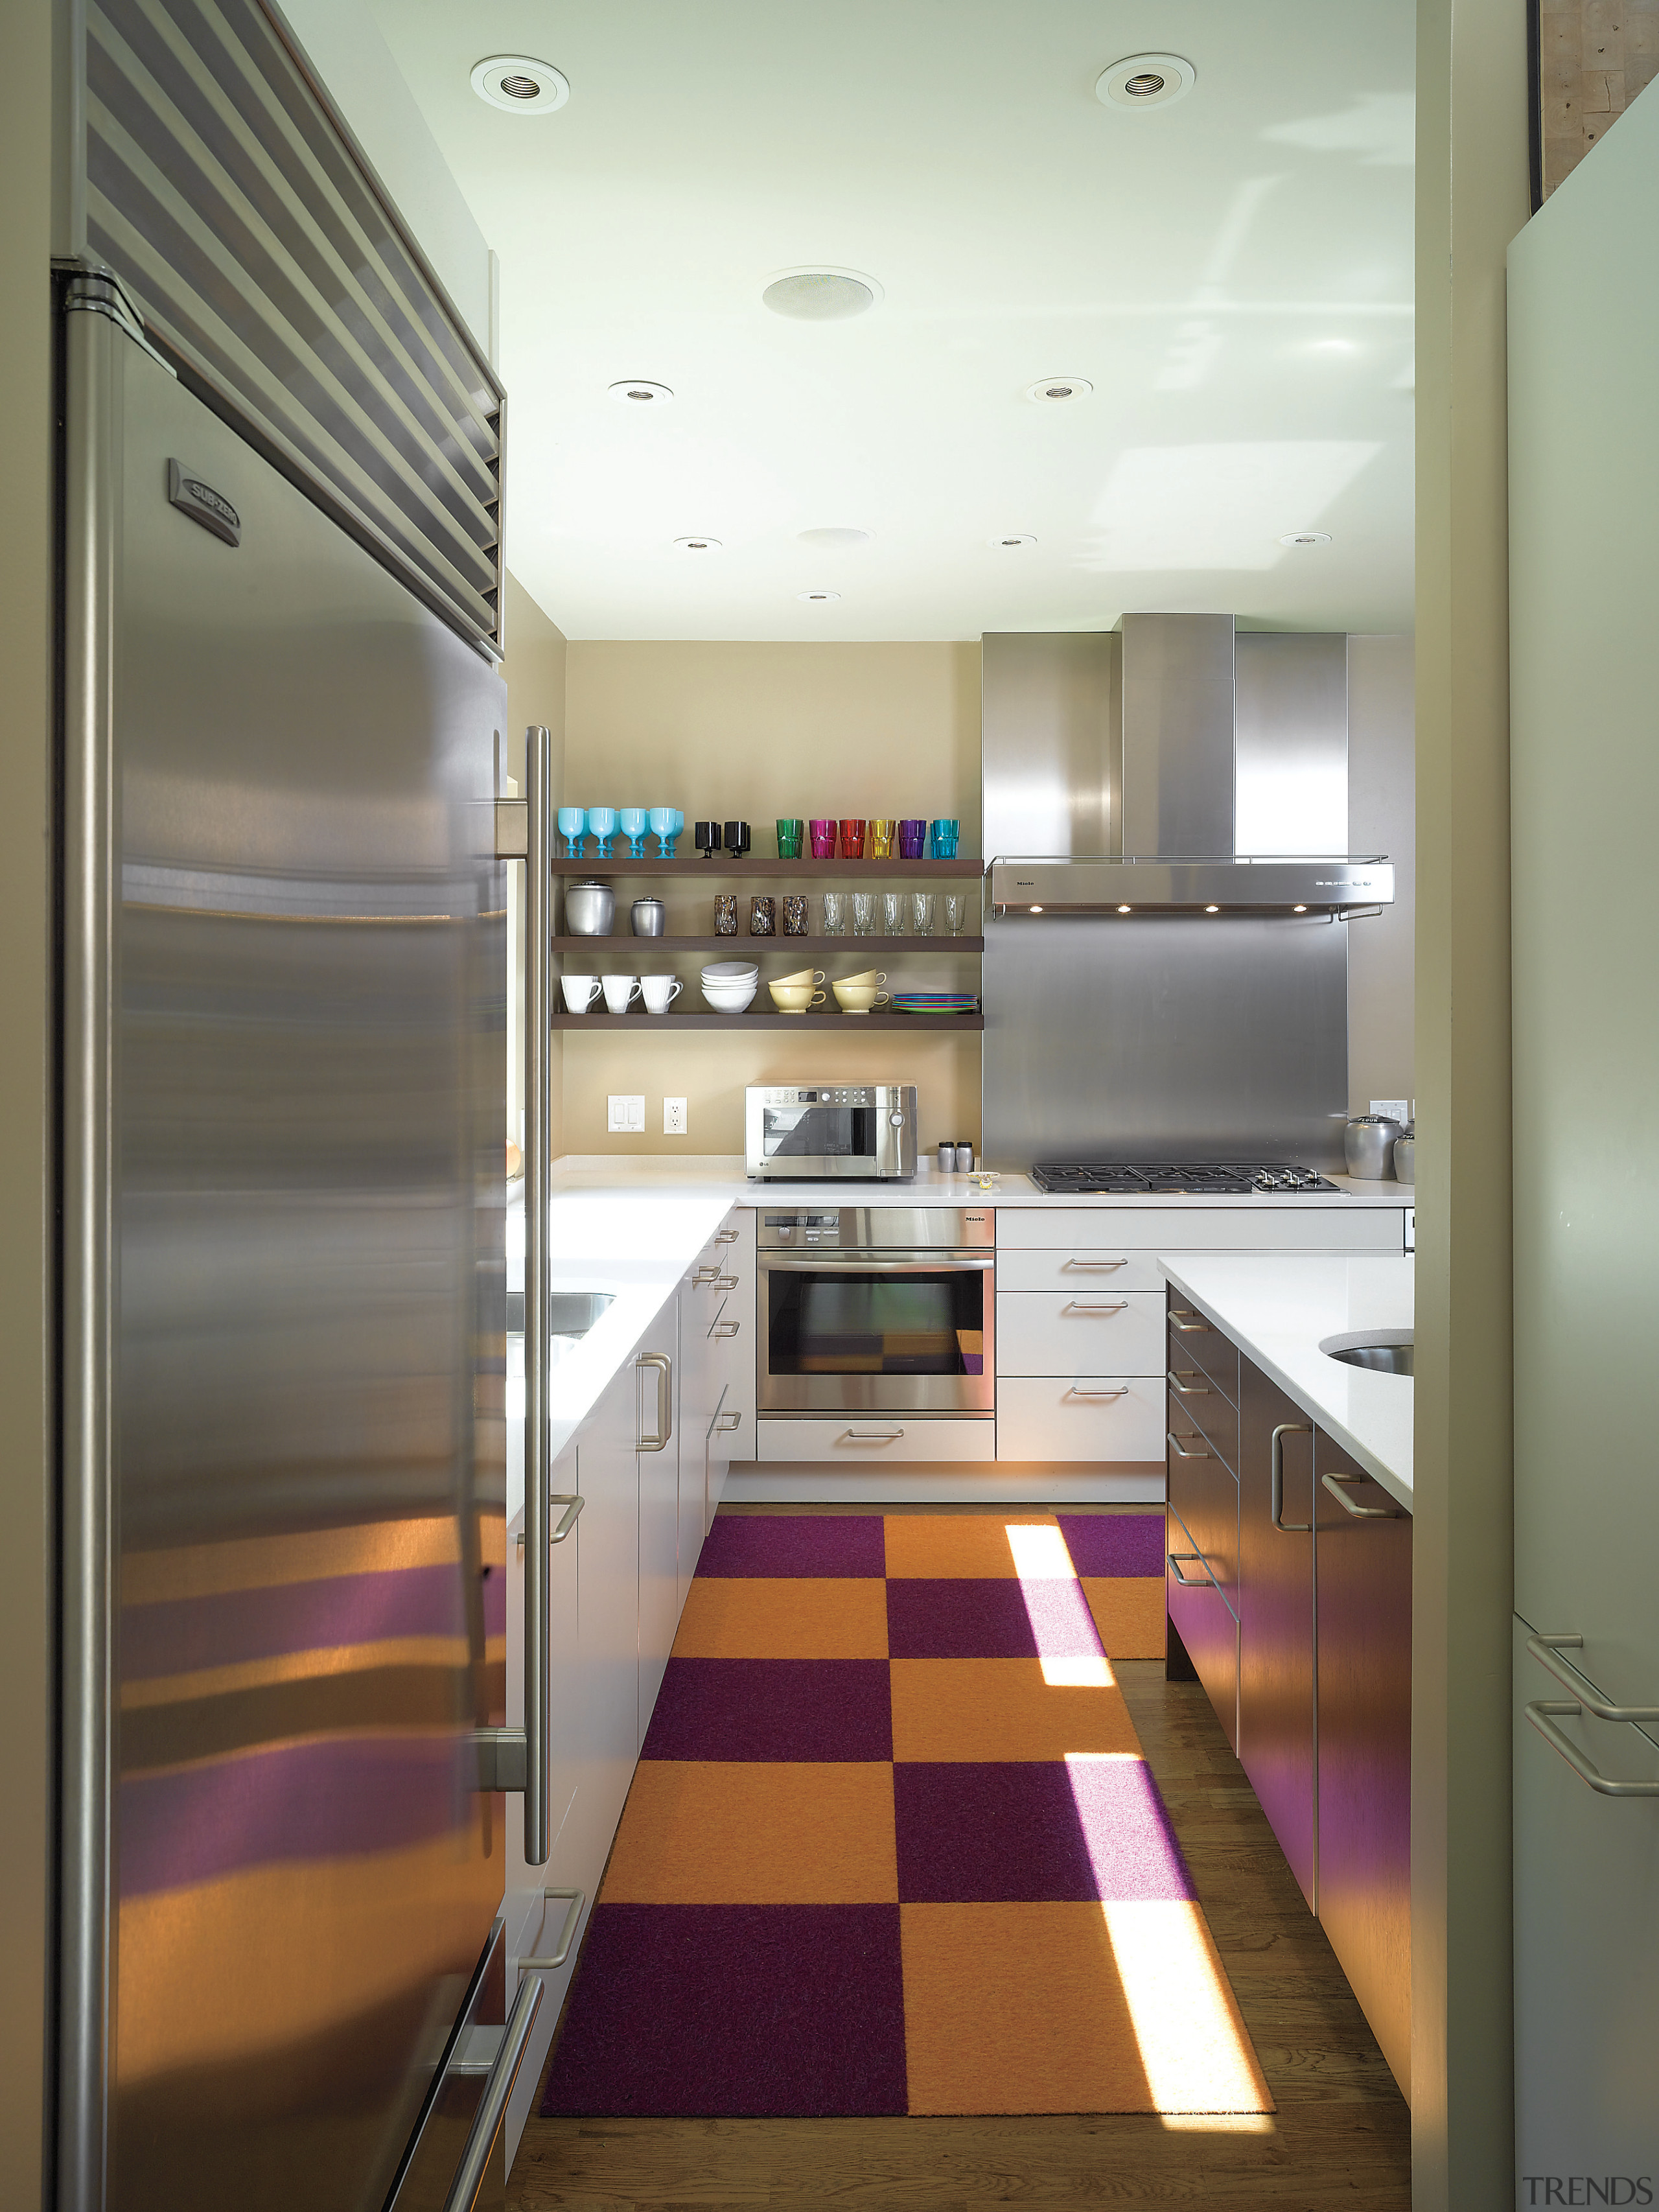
pixel 913 839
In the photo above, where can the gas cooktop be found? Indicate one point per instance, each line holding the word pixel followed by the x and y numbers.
pixel 1180 1179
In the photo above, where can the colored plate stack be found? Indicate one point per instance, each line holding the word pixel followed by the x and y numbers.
pixel 935 1002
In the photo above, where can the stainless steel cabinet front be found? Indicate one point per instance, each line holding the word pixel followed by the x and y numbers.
pixel 1276 1615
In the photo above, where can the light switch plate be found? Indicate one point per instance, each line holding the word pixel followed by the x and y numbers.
pixel 673 1118
pixel 1394 1108
pixel 625 1116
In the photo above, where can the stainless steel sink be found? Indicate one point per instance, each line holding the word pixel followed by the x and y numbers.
pixel 570 1313
pixel 1381 1359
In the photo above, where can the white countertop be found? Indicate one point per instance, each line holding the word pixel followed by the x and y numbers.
pixel 1277 1308
pixel 663 1174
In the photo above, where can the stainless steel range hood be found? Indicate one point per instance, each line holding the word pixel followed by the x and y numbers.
pixel 1187 770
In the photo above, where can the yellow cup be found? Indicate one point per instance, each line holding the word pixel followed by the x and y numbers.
pixel 872 977
pixel 807 975
pixel 794 998
pixel 880 834
pixel 858 998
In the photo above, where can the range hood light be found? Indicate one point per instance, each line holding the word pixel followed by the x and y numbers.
pixel 1212 909
pixel 1298 909
pixel 1037 909
pixel 1124 910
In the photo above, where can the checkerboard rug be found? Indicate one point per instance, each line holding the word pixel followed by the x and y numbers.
pixel 892 1845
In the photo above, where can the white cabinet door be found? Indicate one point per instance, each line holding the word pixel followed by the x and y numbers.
pixel 1082 1420
pixel 865 1440
pixel 655 1380
pixel 1080 1274
pixel 1080 1332
pixel 607 1601
pixel 699 1396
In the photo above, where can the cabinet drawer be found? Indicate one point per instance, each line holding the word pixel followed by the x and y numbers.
pixel 1093 1331
pixel 1194 1398
pixel 1201 1618
pixel 1195 1342
pixel 1203 1491
pixel 868 1439
pixel 1082 1274
pixel 1073 1421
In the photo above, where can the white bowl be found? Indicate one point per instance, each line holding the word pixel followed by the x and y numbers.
pixel 730 1000
pixel 730 971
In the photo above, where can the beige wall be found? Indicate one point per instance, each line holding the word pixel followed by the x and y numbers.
pixel 1382 818
pixel 25 1468
pixel 534 670
pixel 1471 199
pixel 754 732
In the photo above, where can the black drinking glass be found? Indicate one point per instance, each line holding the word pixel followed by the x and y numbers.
pixel 709 839
pixel 736 838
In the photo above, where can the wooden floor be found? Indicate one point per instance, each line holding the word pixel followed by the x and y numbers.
pixel 1340 2137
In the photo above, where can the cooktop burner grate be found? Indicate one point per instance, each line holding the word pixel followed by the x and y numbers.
pixel 1180 1179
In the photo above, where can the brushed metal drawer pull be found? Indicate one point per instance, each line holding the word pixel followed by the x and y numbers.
pixel 1186 1323
pixel 1334 1483
pixel 706 1275
pixel 1608 1785
pixel 726 1328
pixel 871 1435
pixel 726 1237
pixel 1093 1266
pixel 725 1423
pixel 1174 1442
pixel 1186 1389
pixel 1544 1650
pixel 567 1935
pixel 1121 1391
pixel 1175 1558
pixel 568 1520
pixel 1095 1306
pixel 1287 1429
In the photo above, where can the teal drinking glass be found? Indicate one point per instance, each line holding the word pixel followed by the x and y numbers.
pixel 571 822
pixel 602 824
pixel 633 820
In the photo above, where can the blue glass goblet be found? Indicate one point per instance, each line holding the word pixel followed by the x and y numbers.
pixel 602 824
pixel 633 820
pixel 571 822
pixel 679 824
pixel 663 823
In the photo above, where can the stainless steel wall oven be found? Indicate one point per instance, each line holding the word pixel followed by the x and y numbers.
pixel 877 1309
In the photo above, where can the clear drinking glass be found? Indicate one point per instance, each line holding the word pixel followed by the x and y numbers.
pixel 892 913
pixel 921 913
pixel 956 913
pixel 835 913
pixel 864 913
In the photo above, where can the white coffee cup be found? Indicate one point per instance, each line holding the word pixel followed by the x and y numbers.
pixel 659 992
pixel 619 992
pixel 580 991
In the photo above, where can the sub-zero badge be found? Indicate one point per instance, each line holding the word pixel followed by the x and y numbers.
pixel 202 504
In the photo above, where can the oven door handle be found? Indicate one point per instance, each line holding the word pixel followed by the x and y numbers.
pixel 876 1263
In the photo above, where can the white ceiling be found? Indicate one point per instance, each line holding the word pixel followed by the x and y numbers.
pixel 1233 272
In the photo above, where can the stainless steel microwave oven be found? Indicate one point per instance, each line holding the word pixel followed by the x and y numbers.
pixel 818 1132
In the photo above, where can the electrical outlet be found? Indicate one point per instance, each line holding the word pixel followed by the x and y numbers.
pixel 1394 1108
pixel 625 1115
pixel 673 1118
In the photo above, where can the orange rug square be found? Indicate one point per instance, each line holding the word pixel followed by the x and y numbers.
pixel 756 1832
pixel 748 1617
pixel 951 1545
pixel 1000 1709
pixel 1128 1611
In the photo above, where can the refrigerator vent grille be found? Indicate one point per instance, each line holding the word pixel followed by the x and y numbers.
pixel 225 194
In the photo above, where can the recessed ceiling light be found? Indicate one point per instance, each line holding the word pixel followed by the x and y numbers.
pixel 1013 541
pixel 520 85
pixel 637 393
pixel 698 544
pixel 1306 538
pixel 821 296
pixel 817 598
pixel 1145 81
pixel 1048 391
pixel 837 540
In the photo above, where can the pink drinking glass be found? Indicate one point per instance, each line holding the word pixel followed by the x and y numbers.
pixel 823 841
pixel 852 841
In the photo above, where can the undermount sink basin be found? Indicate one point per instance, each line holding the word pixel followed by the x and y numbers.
pixel 1390 1354
pixel 570 1313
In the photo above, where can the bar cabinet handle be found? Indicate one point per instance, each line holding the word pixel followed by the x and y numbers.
pixel 1174 1442
pixel 1095 1306
pixel 1122 1390
pixel 1186 1323
pixel 567 1935
pixel 1543 1716
pixel 725 1235
pixel 727 1328
pixel 1093 1266
pixel 1335 1482
pixel 726 1422
pixel 1176 1560
pixel 664 1430
pixel 871 1436
pixel 1289 1528
pixel 468 2185
pixel 572 1509
pixel 1186 1389
pixel 1544 1650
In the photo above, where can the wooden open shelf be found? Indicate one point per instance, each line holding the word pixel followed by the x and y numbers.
pixel 967 869
pixel 886 946
pixel 884 1020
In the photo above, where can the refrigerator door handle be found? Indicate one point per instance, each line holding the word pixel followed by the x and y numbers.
pixel 1544 1650
pixel 1542 1715
pixel 465 2189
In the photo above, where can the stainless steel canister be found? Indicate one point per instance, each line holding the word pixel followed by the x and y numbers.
pixel 1405 1154
pixel 964 1159
pixel 588 909
pixel 1368 1142
pixel 649 917
pixel 947 1157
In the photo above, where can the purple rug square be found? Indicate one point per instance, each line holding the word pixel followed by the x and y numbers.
pixel 1114 1543
pixel 714 2011
pixel 789 1544
pixel 959 1619
pixel 1079 1828
pixel 782 1709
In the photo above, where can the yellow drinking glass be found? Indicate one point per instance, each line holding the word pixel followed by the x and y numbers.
pixel 881 839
